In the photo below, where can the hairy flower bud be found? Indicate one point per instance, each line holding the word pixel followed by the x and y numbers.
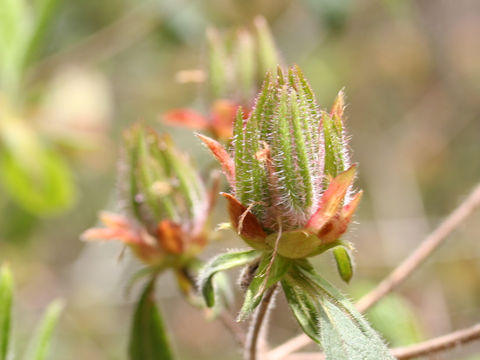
pixel 289 170
pixel 168 204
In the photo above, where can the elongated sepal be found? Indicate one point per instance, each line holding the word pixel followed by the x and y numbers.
pixel 246 224
pixel 344 262
pixel 328 222
pixel 329 318
pixel 268 273
pixel 186 118
pixel 219 263
pixel 148 336
pixel 222 156
pixel 338 108
pixel 349 209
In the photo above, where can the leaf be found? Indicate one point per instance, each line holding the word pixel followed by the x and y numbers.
pixel 44 14
pixel 42 189
pixel 13 32
pixel 329 318
pixel 39 347
pixel 6 298
pixel 264 278
pixel 219 263
pixel 344 263
pixel 148 337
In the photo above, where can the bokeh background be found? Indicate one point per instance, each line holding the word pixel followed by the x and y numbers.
pixel 411 72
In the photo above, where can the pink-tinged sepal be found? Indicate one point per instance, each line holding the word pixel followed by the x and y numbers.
pixel 332 199
pixel 223 116
pixel 187 118
pixel 338 106
pixel 117 228
pixel 349 209
pixel 222 156
pixel 246 224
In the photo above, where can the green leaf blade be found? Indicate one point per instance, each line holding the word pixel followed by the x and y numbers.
pixel 263 281
pixel 330 319
pixel 148 338
pixel 219 263
pixel 40 345
pixel 6 299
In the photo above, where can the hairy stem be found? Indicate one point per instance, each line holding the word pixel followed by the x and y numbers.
pixel 253 339
pixel 402 271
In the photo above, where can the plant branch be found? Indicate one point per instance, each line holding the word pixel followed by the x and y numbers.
pixel 426 348
pixel 438 344
pixel 423 251
pixel 401 272
pixel 253 339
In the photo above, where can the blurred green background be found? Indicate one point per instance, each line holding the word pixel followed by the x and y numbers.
pixel 411 72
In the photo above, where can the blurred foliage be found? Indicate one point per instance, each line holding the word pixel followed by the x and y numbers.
pixel 410 69
pixel 39 346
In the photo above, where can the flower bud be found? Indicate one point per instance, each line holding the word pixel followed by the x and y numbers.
pixel 168 204
pixel 288 170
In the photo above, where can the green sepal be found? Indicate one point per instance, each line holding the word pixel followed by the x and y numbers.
pixel 335 148
pixel 264 278
pixel 148 337
pixel 219 263
pixel 329 318
pixel 344 263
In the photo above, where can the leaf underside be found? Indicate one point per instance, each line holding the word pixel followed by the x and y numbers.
pixel 329 318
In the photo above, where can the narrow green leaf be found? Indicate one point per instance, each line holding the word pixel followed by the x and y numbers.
pixel 6 298
pixel 344 263
pixel 219 263
pixel 302 307
pixel 329 318
pixel 262 281
pixel 39 347
pixel 148 337
pixel 44 11
pixel 14 21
